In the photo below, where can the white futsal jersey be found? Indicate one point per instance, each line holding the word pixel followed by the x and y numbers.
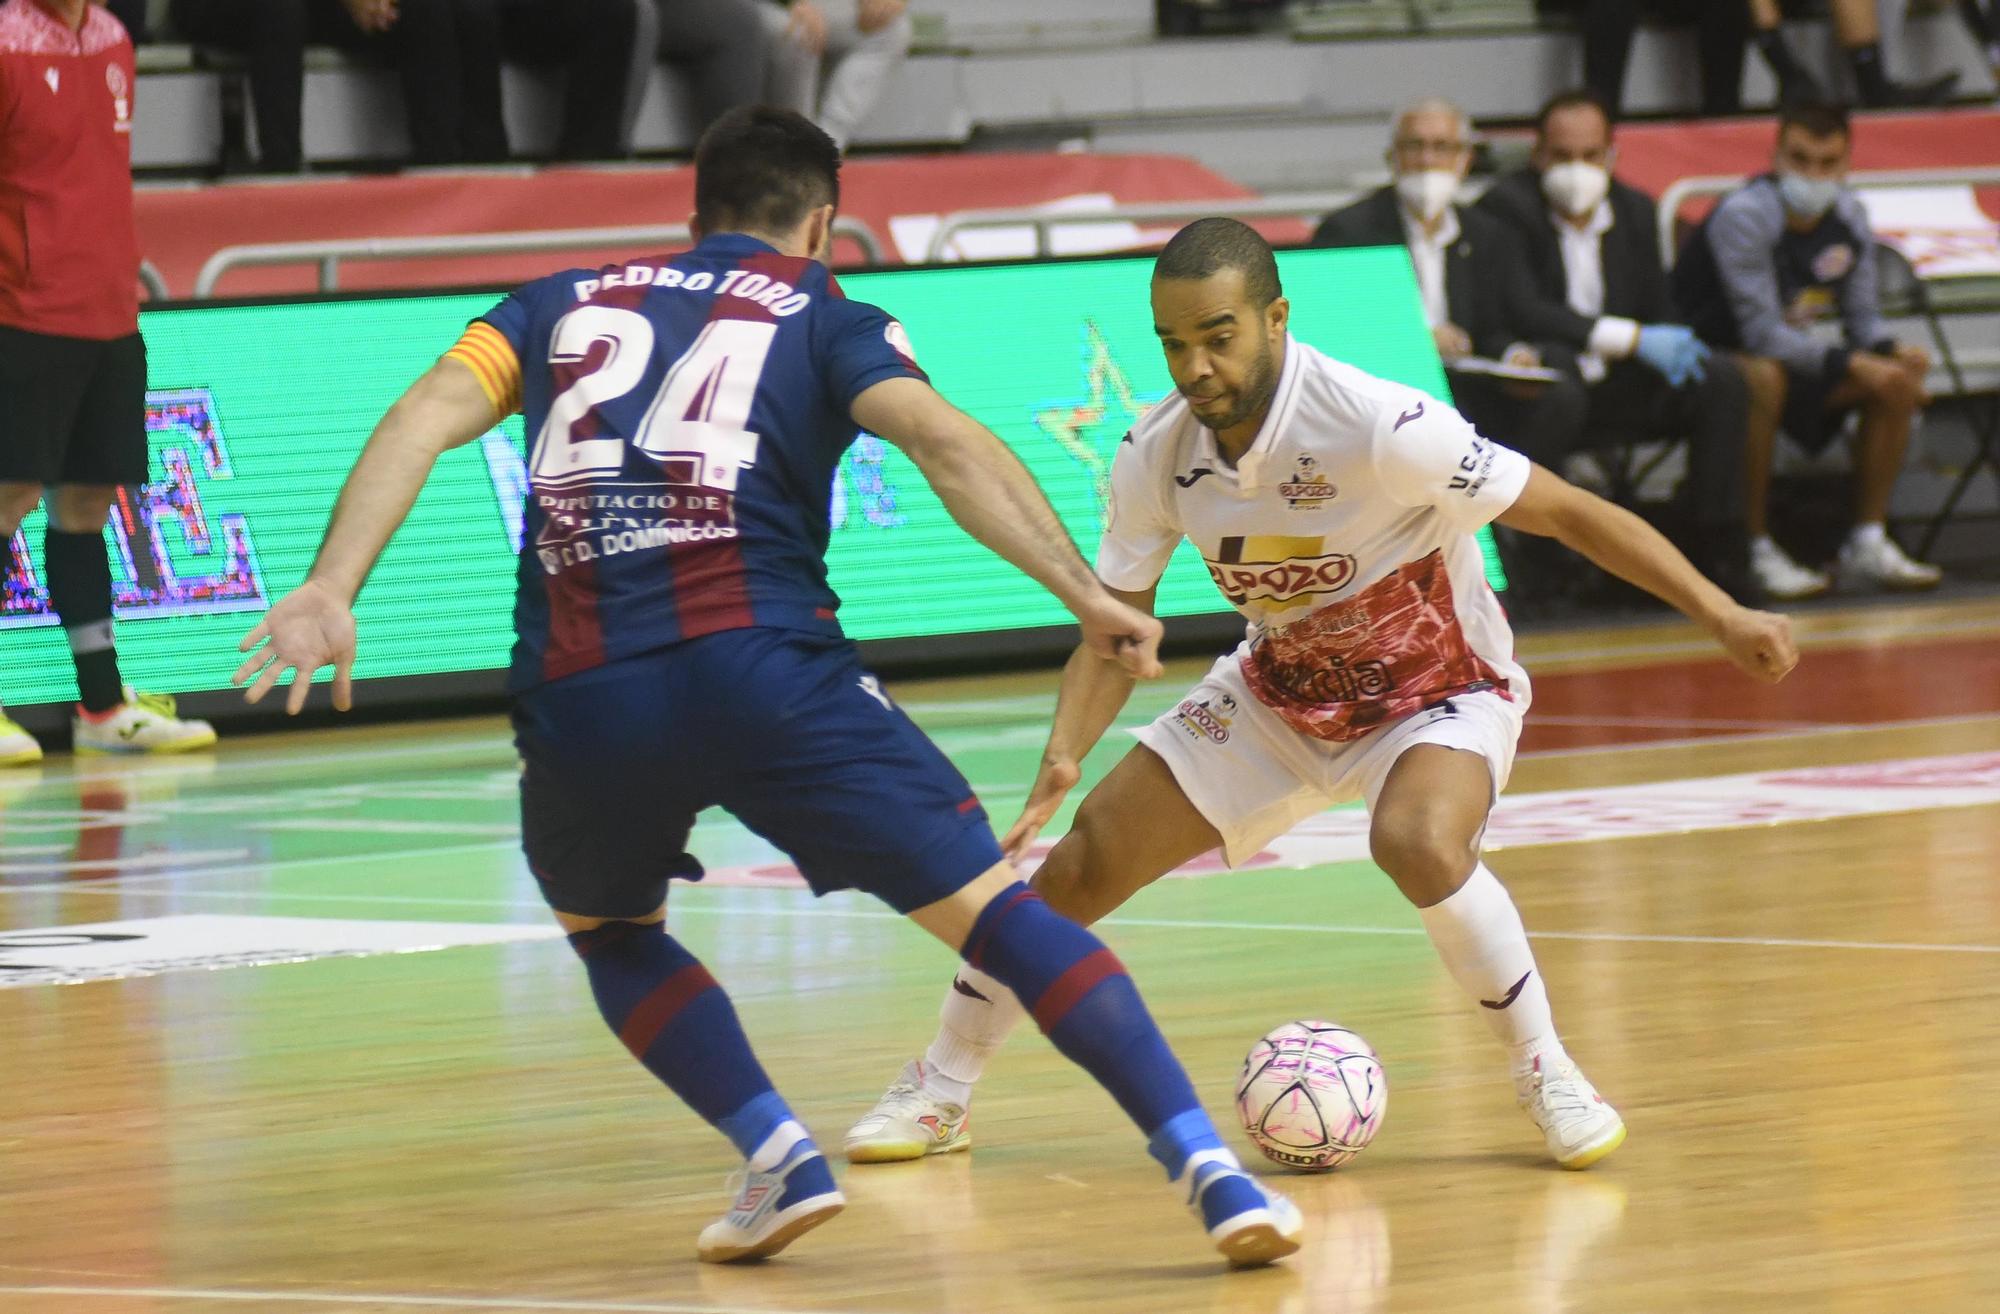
pixel 1344 536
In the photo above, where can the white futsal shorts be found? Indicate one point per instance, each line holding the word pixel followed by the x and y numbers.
pixel 1254 777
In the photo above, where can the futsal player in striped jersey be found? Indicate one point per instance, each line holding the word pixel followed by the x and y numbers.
pixel 678 648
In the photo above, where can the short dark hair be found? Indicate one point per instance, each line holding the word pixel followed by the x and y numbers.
pixel 761 169
pixel 1576 99
pixel 1815 119
pixel 1207 246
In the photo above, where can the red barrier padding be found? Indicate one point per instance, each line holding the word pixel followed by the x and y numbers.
pixel 180 229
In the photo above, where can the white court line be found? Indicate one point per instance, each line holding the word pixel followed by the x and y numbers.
pixel 355 1299
pixel 1672 722
pixel 682 908
pixel 139 861
pixel 273 864
pixel 1760 736
pixel 381 826
pixel 1706 646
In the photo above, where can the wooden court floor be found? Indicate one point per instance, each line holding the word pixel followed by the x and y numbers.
pixel 1770 920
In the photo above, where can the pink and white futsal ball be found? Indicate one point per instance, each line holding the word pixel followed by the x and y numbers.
pixel 1312 1095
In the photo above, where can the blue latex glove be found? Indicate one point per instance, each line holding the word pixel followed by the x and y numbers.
pixel 1674 351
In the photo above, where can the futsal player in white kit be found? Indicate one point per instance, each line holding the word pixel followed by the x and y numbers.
pixel 1336 511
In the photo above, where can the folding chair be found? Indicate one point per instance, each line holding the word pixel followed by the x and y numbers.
pixel 1902 292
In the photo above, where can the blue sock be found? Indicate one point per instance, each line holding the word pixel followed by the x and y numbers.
pixel 1078 993
pixel 660 1001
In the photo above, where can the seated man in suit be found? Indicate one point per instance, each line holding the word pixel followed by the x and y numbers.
pixel 1468 274
pixel 1775 256
pixel 1591 256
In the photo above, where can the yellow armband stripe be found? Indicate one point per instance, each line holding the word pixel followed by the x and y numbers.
pixel 487 353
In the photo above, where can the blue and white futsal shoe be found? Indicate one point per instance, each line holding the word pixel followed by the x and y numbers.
pixel 773 1209
pixel 1249 1223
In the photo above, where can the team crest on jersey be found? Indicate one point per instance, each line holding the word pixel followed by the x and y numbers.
pixel 1206 718
pixel 121 97
pixel 1831 265
pixel 1309 488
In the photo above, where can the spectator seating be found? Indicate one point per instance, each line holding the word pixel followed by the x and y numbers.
pixel 1273 111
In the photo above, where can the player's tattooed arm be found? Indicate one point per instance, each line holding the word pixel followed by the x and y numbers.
pixel 313 625
pixel 1614 539
pixel 993 498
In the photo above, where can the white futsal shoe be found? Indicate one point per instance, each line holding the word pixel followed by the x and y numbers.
pixel 1782 579
pixel 1579 1126
pixel 1876 562
pixel 773 1209
pixel 909 1122
pixel 143 723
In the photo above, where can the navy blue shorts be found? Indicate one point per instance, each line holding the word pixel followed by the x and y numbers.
pixel 784 730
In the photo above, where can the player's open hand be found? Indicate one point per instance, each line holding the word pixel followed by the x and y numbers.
pixel 310 627
pixel 1760 642
pixel 1122 634
pixel 1053 783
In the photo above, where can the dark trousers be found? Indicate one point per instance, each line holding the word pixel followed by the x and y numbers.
pixel 1633 403
pixel 446 51
pixel 1549 418
pixel 722 46
pixel 1722 28
pixel 591 40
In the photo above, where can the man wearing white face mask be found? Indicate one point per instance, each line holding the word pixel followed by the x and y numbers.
pixel 1776 256
pixel 1599 287
pixel 1469 274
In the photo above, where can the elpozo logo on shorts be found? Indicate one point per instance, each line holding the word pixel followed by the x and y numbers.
pixel 1206 718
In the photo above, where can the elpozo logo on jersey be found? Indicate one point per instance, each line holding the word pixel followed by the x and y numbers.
pixel 1308 489
pixel 1278 569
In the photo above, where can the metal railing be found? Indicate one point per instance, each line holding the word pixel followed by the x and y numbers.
pixel 1042 219
pixel 1688 189
pixel 153 281
pixel 329 255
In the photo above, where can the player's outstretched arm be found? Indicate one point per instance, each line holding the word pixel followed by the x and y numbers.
pixel 994 498
pixel 313 625
pixel 1093 691
pixel 1759 642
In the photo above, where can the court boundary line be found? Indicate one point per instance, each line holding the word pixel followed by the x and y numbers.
pixel 402 1300
pixel 683 909
pixel 513 841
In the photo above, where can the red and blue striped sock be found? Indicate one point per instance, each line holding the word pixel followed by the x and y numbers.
pixel 662 1003
pixel 1078 993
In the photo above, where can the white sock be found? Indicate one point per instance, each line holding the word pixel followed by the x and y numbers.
pixel 1763 543
pixel 974 1030
pixel 777 1145
pixel 1479 935
pixel 1868 535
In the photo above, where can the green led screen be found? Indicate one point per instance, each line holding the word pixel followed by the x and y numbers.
pixel 257 412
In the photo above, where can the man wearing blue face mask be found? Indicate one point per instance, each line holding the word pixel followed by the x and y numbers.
pixel 1780 254
pixel 1601 290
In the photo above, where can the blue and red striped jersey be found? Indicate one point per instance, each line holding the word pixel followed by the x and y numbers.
pixel 686 418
